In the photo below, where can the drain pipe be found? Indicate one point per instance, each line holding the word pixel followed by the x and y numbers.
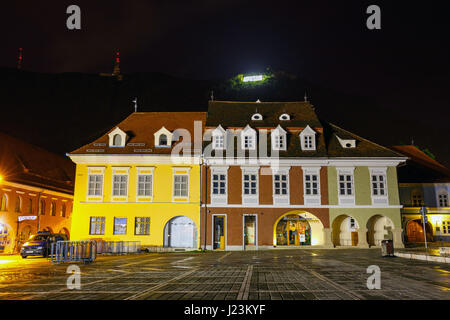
pixel 206 205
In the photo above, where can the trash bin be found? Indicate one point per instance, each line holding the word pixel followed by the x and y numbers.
pixel 387 248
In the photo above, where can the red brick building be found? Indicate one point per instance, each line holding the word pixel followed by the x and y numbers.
pixel 36 192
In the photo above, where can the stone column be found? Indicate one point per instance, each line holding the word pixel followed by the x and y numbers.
pixel 328 243
pixel 398 241
pixel 362 238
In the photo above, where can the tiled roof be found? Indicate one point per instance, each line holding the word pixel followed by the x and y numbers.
pixel 24 163
pixel 420 167
pixel 140 128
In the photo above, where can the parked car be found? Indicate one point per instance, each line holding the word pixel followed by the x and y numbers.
pixel 40 244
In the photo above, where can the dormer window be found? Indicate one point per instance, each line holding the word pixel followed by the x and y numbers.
pixel 347 143
pixel 117 138
pixel 163 138
pixel 278 139
pixel 218 136
pixel 257 116
pixel 284 117
pixel 308 139
pixel 248 138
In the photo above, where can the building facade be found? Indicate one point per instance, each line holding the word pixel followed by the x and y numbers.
pixel 424 183
pixel 277 176
pixel 36 192
pixel 141 182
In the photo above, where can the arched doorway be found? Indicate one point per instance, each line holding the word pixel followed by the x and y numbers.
pixel 414 231
pixel 297 228
pixel 180 232
pixel 379 228
pixel 345 231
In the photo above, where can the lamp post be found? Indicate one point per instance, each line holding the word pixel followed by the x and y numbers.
pixel 423 211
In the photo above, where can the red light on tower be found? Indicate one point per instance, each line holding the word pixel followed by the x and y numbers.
pixel 19 59
pixel 116 70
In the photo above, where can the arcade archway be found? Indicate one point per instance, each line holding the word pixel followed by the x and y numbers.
pixel 345 231
pixel 180 232
pixel 297 228
pixel 379 228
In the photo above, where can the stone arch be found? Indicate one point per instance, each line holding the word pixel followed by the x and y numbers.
pixel 414 231
pixel 180 232
pixel 345 230
pixel 315 224
pixel 379 228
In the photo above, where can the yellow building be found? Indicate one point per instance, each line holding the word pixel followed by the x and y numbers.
pixel 141 182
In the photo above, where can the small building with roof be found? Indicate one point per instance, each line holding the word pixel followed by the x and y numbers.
pixel 36 192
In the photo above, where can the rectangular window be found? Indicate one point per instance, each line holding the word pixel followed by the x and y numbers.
pixel 346 184
pixel 279 142
pixel 120 184
pixel 180 188
pixel 308 142
pixel 97 225
pixel 219 184
pixel 443 200
pixel 250 187
pixel 248 142
pixel 280 184
pixel 378 185
pixel 218 142
pixel 145 185
pixel 311 184
pixel 142 226
pixel 95 185
pixel 417 200
pixel 120 225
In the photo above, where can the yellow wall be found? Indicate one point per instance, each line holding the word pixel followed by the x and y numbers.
pixel 161 208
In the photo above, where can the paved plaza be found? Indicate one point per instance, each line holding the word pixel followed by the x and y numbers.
pixel 301 274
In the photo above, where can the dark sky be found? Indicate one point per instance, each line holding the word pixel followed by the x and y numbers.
pixel 405 65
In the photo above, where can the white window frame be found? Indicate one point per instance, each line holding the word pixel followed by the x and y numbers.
pixel 283 199
pixel 248 132
pixel 120 171
pixel 217 133
pixel 277 133
pixel 311 199
pixel 122 135
pixel 219 198
pixel 256 230
pixel 257 117
pixel 168 134
pixel 346 199
pixel 308 132
pixel 284 117
pixel 442 192
pixel 93 171
pixel 249 198
pixel 180 171
pixel 379 199
pixel 145 171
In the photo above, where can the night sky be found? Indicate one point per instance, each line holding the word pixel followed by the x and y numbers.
pixel 405 65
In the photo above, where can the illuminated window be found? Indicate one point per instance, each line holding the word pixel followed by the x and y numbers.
pixel 446 227
pixel 142 226
pixel 258 77
pixel 97 225
pixel 4 203
pixel 30 205
pixel 63 210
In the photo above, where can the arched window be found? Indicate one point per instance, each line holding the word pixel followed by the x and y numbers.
pixel 53 208
pixel 4 203
pixel 63 210
pixel 117 140
pixel 30 205
pixel 163 140
pixel 42 208
pixel 18 204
